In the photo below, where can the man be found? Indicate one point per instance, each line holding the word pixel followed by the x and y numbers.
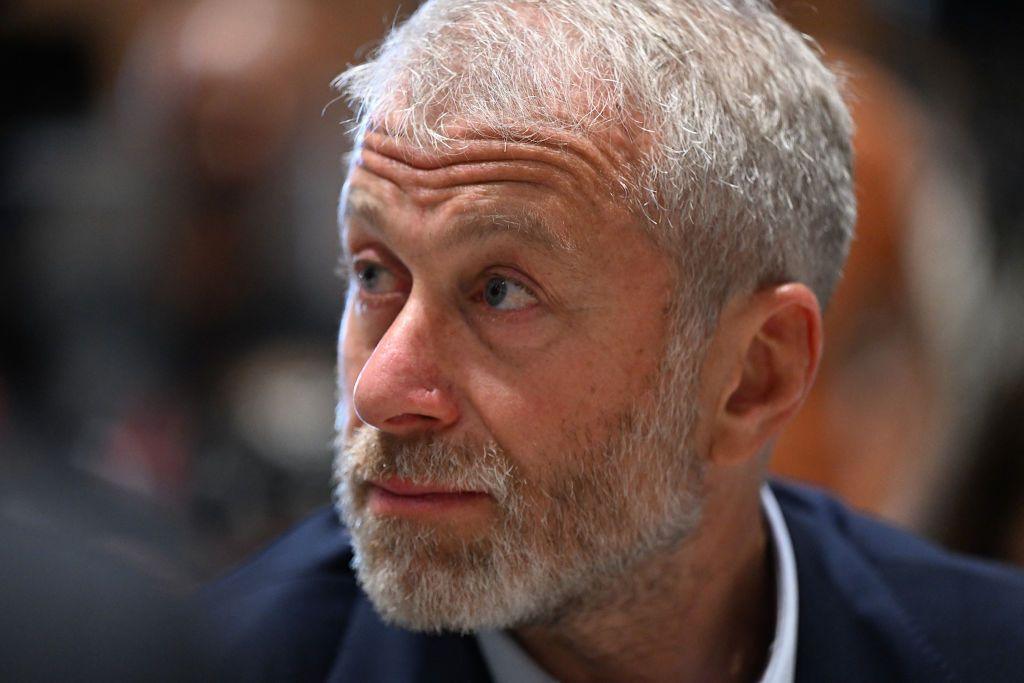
pixel 588 244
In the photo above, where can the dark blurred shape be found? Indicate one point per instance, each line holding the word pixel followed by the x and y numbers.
pixel 55 56
pixel 982 510
pixel 61 56
pixel 988 35
pixel 87 590
pixel 984 515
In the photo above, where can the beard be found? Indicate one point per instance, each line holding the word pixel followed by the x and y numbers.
pixel 620 492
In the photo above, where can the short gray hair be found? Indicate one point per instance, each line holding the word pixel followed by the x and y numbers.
pixel 744 162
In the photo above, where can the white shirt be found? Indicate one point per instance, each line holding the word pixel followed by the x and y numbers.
pixel 509 663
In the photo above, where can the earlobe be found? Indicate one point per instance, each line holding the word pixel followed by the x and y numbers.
pixel 776 347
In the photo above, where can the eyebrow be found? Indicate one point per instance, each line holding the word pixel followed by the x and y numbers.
pixel 523 224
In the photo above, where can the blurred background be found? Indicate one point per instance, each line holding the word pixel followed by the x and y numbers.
pixel 168 303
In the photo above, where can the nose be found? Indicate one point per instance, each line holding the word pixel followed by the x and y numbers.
pixel 401 388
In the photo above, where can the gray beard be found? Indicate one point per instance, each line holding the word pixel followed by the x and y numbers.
pixel 559 543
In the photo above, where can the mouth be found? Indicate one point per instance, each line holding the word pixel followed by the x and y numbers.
pixel 400 497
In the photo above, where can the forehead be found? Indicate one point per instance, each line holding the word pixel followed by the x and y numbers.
pixel 519 220
pixel 557 189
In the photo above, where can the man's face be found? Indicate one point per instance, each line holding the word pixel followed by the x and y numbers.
pixel 518 415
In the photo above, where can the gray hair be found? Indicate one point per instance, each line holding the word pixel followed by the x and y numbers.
pixel 743 164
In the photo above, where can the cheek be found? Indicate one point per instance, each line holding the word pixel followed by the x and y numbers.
pixel 542 414
pixel 572 395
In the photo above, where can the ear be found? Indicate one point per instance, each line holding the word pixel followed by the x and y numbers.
pixel 767 348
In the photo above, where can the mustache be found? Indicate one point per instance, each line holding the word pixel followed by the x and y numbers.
pixel 371 454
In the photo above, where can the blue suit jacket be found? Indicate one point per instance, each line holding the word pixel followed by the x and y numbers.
pixel 876 604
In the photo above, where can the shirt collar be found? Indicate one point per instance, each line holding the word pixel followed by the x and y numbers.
pixel 781 666
pixel 509 663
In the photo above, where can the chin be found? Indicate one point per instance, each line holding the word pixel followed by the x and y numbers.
pixel 426 578
pixel 432 578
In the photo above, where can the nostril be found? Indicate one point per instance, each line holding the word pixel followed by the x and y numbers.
pixel 409 420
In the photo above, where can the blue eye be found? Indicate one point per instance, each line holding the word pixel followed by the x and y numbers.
pixel 504 294
pixel 374 278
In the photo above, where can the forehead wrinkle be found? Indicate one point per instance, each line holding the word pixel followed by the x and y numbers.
pixel 576 161
pixel 604 150
pixel 425 184
pixel 522 225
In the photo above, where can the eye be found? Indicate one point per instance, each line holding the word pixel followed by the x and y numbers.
pixel 505 294
pixel 373 278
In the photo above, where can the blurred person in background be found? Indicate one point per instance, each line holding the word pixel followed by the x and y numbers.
pixel 215 100
pixel 588 245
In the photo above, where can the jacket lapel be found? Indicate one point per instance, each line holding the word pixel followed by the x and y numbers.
pixel 374 652
pixel 852 626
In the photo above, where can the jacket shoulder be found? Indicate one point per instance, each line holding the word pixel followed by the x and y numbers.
pixel 281 615
pixel 959 618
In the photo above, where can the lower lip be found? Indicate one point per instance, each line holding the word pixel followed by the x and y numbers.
pixel 384 502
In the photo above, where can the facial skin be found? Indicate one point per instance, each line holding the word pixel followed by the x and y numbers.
pixel 505 335
pixel 506 308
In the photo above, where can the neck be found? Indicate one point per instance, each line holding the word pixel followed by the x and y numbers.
pixel 701 611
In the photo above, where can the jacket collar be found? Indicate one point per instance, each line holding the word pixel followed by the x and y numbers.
pixel 374 652
pixel 851 624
